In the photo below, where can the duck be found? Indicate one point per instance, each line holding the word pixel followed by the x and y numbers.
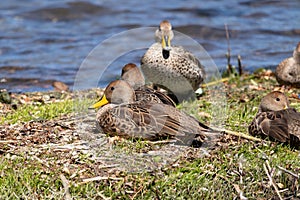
pixel 277 120
pixel 132 74
pixel 135 78
pixel 121 115
pixel 288 71
pixel 172 67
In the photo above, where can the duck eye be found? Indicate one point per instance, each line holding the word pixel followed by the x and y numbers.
pixel 277 99
pixel 112 88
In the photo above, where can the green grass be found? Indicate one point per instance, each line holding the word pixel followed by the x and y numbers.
pixel 26 113
pixel 21 178
pixel 207 178
pixel 216 176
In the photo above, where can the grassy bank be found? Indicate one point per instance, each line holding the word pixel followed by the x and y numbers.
pixel 45 156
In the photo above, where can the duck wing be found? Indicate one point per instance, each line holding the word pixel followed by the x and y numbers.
pixel 272 124
pixel 151 95
pixel 294 126
pixel 150 121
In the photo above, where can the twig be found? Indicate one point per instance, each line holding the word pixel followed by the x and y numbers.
pixel 161 142
pixel 239 191
pixel 99 178
pixel 139 190
pixel 66 185
pixel 40 161
pixel 81 145
pixel 228 50
pixel 107 166
pixel 241 172
pixel 271 180
pixel 270 170
pixel 249 137
pixel 289 172
pixel 214 82
pixel 8 141
pixel 102 196
pixel 240 67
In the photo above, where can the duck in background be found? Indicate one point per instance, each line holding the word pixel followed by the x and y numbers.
pixel 277 120
pixel 288 71
pixel 134 77
pixel 172 67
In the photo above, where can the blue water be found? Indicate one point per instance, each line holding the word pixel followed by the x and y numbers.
pixel 43 41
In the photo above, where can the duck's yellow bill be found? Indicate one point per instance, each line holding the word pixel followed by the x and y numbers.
pixel 103 101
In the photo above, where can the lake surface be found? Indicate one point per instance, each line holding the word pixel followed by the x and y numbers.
pixel 43 41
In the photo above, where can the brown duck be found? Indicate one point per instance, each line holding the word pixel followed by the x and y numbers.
pixel 288 71
pixel 132 75
pixel 121 115
pixel 277 120
pixel 172 67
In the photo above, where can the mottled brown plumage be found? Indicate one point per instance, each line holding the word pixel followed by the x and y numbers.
pixel 276 120
pixel 135 78
pixel 121 115
pixel 171 66
pixel 288 71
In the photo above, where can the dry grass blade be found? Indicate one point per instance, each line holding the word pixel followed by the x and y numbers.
pixel 215 82
pixel 99 178
pixel 103 197
pixel 239 134
pixel 161 142
pixel 239 191
pixel 240 66
pixel 8 141
pixel 289 172
pixel 271 180
pixel 228 54
pixel 66 185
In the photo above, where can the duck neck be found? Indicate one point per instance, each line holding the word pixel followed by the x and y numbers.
pixel 166 54
pixel 296 54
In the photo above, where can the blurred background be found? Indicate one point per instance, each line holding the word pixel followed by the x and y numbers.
pixel 46 40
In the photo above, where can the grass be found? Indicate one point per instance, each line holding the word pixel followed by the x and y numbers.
pixel 232 171
pixel 21 178
pixel 37 112
pixel 48 111
pixel 215 177
pixel 207 178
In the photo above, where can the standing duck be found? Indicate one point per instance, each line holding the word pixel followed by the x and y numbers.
pixel 288 71
pixel 277 120
pixel 172 67
pixel 121 115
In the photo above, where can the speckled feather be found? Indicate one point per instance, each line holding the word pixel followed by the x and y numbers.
pixel 180 64
pixel 180 67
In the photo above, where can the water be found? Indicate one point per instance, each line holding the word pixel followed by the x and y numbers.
pixel 43 41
